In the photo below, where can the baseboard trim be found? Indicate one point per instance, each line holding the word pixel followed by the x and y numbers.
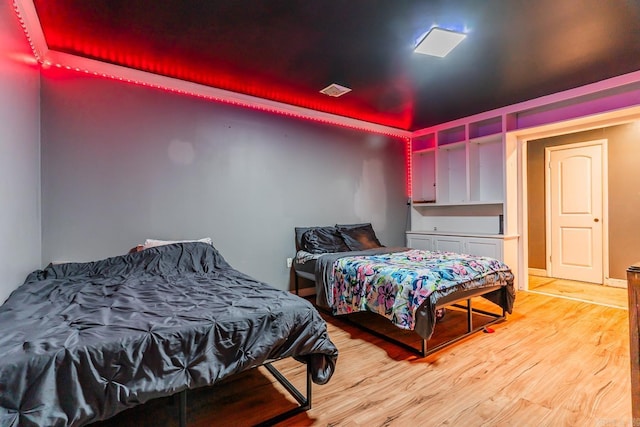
pixel 615 283
pixel 537 272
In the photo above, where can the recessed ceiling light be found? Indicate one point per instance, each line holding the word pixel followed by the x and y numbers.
pixel 335 90
pixel 439 42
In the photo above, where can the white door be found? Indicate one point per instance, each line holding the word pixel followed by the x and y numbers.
pixel 574 189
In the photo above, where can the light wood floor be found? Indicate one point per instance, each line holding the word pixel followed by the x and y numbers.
pixel 599 294
pixel 554 362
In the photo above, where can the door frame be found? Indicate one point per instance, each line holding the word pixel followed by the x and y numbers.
pixel 516 213
pixel 603 143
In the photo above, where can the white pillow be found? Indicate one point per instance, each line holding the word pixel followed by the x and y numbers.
pixel 152 243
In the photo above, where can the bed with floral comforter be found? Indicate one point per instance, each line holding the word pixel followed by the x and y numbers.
pixel 407 285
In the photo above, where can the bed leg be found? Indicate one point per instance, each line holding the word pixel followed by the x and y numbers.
pixel 469 316
pixel 304 402
pixel 309 381
pixel 296 283
pixel 182 408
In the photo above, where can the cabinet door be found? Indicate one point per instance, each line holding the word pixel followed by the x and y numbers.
pixel 419 241
pixel 424 176
pixel 448 244
pixel 452 174
pixel 484 247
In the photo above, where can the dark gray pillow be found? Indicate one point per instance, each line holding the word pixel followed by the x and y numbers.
pixel 320 240
pixel 359 237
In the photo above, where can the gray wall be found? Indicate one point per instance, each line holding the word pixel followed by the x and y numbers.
pixel 19 155
pixel 122 163
pixel 624 194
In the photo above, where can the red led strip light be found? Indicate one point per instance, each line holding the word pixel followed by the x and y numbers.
pixel 23 24
pixel 45 62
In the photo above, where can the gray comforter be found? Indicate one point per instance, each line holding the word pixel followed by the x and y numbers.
pixel 81 342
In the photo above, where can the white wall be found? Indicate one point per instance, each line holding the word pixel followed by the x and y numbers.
pixel 122 163
pixel 20 248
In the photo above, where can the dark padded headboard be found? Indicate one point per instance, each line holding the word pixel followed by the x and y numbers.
pixel 301 230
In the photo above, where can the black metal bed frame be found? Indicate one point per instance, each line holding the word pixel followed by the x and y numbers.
pixel 451 300
pixel 470 329
pixel 304 402
pixel 425 350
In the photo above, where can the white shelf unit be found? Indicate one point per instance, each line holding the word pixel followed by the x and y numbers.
pixel 458 181
pixel 424 178
pixel 464 164
pixel 476 218
pixel 452 173
pixel 423 166
pixel 486 169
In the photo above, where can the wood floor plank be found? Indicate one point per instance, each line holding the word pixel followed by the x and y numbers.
pixel 554 362
pixel 601 294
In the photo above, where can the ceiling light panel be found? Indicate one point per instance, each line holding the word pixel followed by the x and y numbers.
pixel 439 42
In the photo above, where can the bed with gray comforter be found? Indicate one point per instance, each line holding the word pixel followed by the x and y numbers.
pixel 81 342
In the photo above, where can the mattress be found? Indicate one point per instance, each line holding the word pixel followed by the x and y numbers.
pixel 304 264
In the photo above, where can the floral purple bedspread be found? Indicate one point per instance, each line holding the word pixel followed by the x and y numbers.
pixel 396 284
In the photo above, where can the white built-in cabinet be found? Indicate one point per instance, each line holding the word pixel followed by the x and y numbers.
pixel 459 165
pixel 469 174
pixel 458 188
pixel 482 245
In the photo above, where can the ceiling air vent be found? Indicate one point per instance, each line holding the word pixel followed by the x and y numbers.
pixel 335 90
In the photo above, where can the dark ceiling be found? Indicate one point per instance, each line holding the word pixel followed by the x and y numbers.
pixel 288 51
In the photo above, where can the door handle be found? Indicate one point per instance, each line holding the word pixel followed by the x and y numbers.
pixel 595 220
